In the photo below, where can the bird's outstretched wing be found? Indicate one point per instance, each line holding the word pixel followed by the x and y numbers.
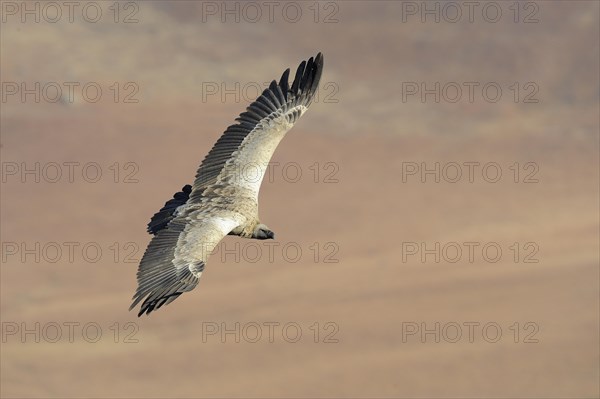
pixel 175 258
pixel 241 155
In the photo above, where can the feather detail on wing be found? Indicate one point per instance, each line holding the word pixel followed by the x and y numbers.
pixel 176 256
pixel 240 157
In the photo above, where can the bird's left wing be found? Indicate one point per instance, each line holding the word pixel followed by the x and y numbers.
pixel 176 256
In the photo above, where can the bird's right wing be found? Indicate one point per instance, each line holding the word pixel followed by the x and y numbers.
pixel 241 155
pixel 176 256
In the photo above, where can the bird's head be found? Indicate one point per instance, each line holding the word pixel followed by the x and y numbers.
pixel 262 232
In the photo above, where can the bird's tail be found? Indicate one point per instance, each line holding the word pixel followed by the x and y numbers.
pixel 161 219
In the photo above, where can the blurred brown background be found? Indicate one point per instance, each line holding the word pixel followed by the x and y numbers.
pixel 362 210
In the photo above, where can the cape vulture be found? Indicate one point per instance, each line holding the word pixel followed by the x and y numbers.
pixel 223 200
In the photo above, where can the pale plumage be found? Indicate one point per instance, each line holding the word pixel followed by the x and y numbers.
pixel 223 199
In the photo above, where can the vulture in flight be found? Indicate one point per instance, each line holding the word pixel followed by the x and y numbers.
pixel 223 200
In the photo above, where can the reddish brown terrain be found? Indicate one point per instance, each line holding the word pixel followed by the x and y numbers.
pixel 388 267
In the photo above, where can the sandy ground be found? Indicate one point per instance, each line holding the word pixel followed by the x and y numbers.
pixel 390 275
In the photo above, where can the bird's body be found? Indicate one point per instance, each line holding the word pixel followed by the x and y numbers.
pixel 224 197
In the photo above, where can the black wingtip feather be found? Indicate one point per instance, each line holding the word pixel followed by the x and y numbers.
pixel 151 305
pixel 298 77
pixel 307 74
pixel 284 83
